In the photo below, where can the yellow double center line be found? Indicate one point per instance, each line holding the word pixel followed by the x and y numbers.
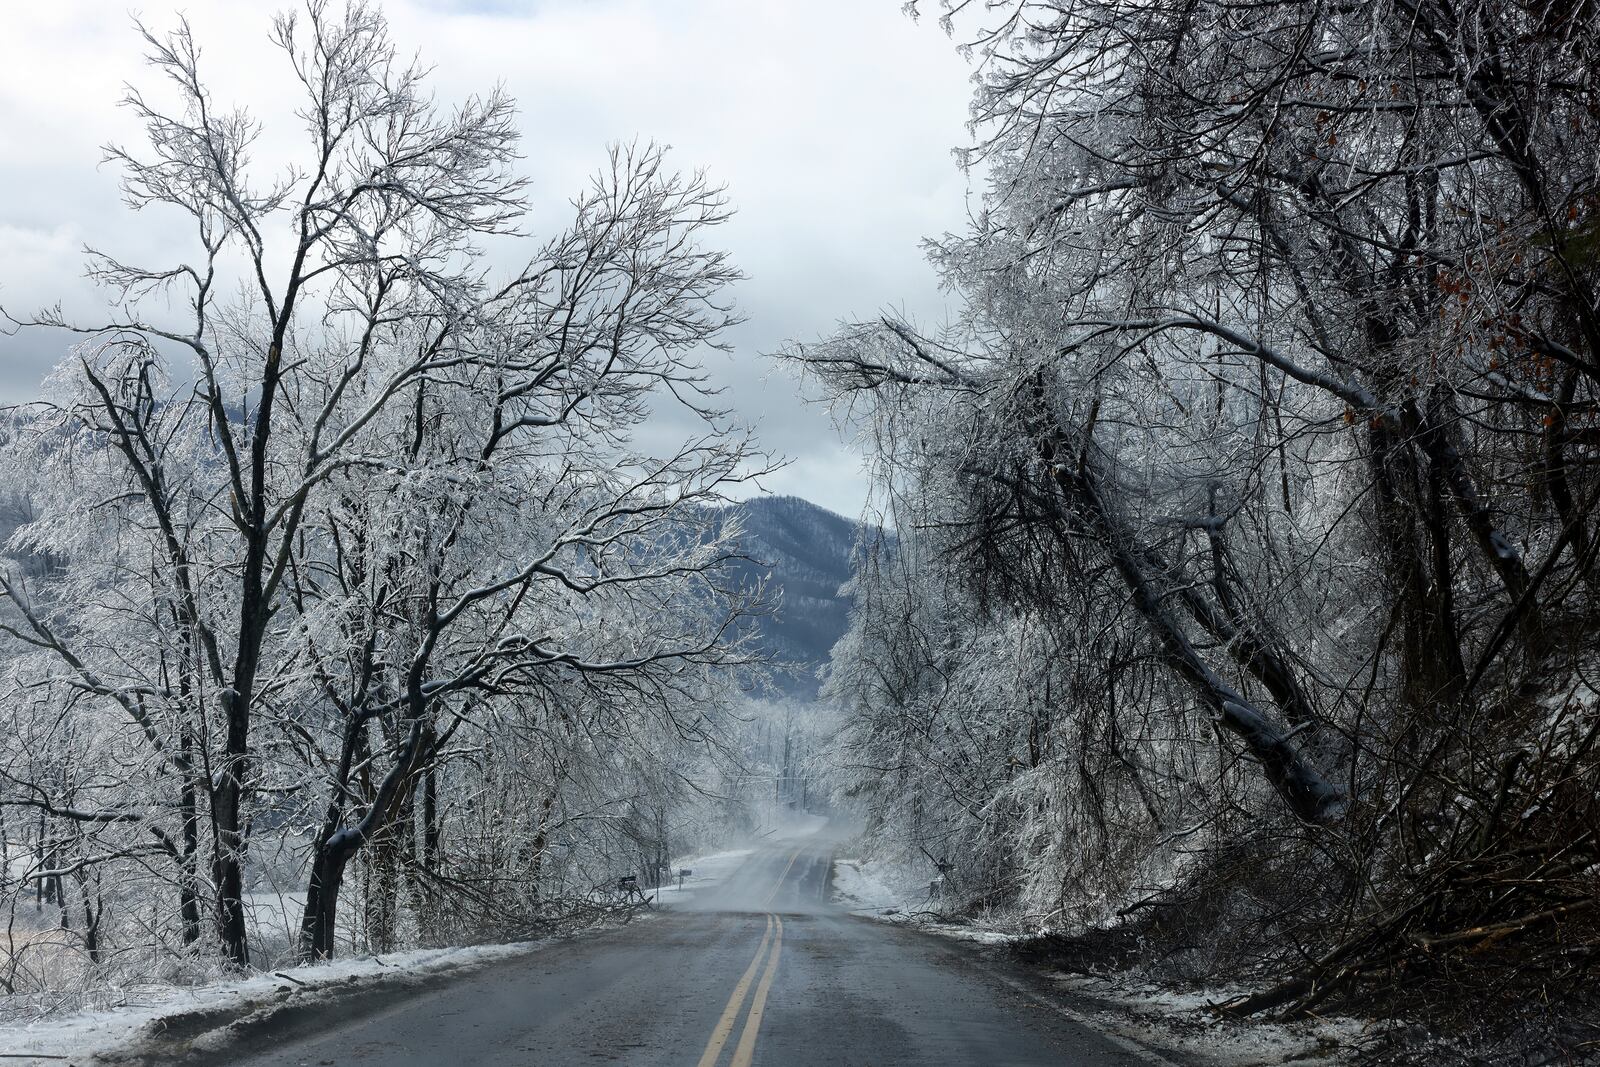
pixel 744 1052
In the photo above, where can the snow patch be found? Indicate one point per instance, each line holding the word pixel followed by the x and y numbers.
pixel 706 871
pixel 147 1010
pixel 860 887
pixel 1178 1023
pixel 1181 1023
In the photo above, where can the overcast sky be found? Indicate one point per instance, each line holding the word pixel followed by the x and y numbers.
pixel 831 122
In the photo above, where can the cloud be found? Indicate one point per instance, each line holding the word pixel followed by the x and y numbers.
pixel 831 122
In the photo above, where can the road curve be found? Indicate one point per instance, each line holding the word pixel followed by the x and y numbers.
pixel 758 970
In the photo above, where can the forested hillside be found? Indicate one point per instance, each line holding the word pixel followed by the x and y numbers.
pixel 800 553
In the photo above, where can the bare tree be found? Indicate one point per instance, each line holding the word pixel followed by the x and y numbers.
pixel 1273 374
pixel 383 485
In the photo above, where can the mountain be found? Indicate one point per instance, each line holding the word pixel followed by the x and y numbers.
pixel 806 551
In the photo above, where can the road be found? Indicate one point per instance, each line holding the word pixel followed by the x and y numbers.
pixel 760 969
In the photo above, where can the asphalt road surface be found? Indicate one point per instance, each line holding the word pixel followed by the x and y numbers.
pixel 760 969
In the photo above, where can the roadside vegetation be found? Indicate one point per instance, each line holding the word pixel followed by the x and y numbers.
pixel 1240 622
pixel 341 609
pixel 1227 617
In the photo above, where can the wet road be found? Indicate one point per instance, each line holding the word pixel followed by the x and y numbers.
pixel 759 969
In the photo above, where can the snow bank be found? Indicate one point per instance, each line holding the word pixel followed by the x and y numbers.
pixel 880 890
pixel 148 1011
pixel 1181 1023
pixel 862 888
pixel 708 869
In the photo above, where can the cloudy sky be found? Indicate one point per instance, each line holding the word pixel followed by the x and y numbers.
pixel 831 122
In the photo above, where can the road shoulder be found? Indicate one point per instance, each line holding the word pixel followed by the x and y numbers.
pixel 1161 1027
pixel 213 1024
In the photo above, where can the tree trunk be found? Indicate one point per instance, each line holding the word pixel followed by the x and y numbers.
pixel 384 861
pixel 541 842
pixel 227 858
pixel 432 834
pixel 319 924
pixel 336 847
pixel 91 918
pixel 189 858
pixel 1308 793
pixel 1431 668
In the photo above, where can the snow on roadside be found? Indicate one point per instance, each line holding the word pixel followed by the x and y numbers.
pixel 707 869
pixel 1175 1022
pixel 75 1038
pixel 879 890
pixel 1181 1022
pixel 860 887
pixel 716 866
pixel 143 1010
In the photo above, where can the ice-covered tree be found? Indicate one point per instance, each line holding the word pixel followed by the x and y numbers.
pixel 1269 401
pixel 330 487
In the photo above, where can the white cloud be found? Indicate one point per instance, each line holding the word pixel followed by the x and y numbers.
pixel 831 121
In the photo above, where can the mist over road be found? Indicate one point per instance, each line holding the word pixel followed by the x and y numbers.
pixel 757 969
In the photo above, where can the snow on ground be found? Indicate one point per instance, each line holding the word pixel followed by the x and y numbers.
pixel 707 870
pixel 883 891
pixel 1183 1024
pixel 860 887
pixel 142 1010
pixel 716 866
pixel 1178 1023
